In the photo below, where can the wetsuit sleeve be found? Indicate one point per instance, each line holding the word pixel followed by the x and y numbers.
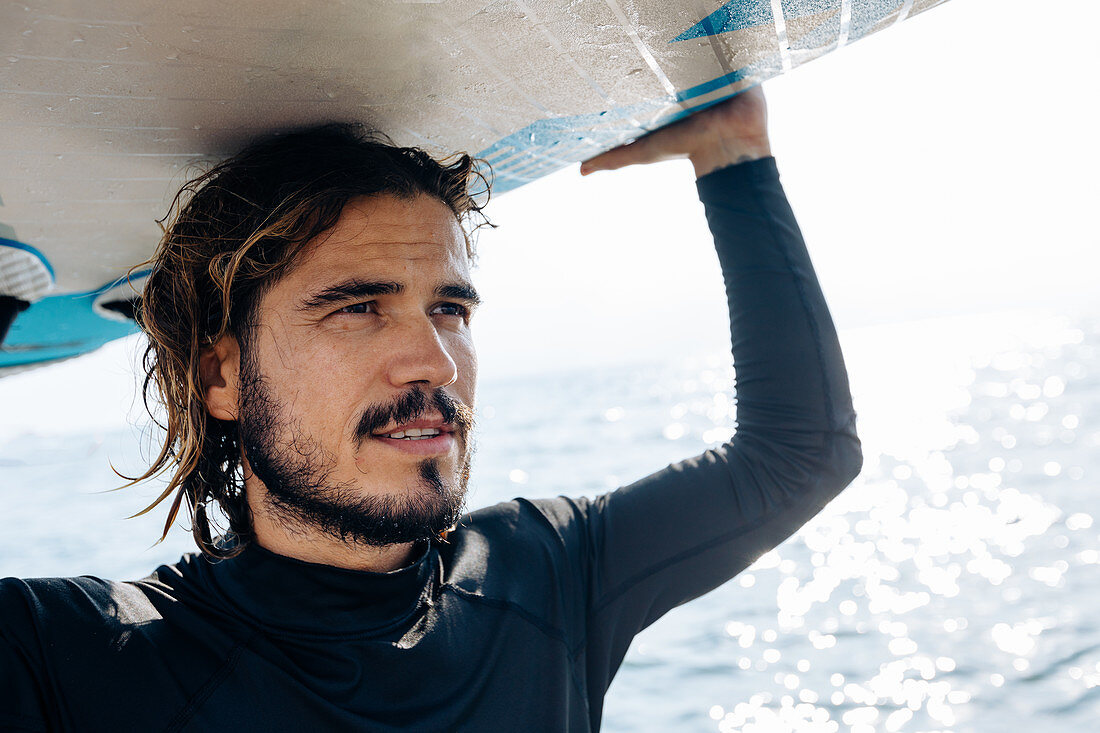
pixel 682 531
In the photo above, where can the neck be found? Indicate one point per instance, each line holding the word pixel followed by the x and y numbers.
pixel 315 546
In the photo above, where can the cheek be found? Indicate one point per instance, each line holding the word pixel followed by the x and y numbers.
pixel 320 383
pixel 300 366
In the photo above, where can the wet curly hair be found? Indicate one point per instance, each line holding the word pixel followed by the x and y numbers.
pixel 229 236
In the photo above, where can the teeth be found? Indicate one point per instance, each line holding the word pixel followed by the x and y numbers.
pixel 414 434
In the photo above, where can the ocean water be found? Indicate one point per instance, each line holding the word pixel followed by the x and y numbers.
pixel 955 586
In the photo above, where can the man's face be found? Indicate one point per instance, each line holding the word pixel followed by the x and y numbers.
pixel 365 343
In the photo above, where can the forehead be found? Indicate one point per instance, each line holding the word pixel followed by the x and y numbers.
pixel 387 235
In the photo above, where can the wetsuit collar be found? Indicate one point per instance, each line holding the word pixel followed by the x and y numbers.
pixel 284 594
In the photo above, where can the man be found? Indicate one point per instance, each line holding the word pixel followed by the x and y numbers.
pixel 309 324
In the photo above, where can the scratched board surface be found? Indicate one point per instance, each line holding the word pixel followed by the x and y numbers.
pixel 107 106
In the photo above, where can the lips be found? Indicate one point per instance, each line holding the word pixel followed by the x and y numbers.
pixel 417 423
pixel 422 429
pixel 430 445
pixel 429 436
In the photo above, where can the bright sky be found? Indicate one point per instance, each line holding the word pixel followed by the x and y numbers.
pixel 944 166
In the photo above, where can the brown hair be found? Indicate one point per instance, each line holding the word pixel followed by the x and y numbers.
pixel 231 233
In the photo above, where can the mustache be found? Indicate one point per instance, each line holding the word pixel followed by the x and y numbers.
pixel 412 405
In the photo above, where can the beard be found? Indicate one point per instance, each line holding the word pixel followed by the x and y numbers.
pixel 297 471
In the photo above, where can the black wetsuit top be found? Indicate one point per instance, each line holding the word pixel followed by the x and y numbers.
pixel 522 619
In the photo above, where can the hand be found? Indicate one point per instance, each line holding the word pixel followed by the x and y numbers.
pixel 731 132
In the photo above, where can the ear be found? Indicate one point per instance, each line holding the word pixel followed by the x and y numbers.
pixel 220 369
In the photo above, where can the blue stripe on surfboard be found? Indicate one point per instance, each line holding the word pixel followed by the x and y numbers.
pixel 551 144
pixel 134 276
pixel 15 244
pixel 733 16
pixel 725 80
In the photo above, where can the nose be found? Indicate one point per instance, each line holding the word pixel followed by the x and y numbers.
pixel 420 356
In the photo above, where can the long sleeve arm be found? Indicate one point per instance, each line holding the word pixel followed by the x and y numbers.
pixel 682 531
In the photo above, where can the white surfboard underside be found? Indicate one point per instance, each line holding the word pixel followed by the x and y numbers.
pixel 108 106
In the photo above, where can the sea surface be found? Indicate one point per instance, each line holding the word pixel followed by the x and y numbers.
pixel 955 586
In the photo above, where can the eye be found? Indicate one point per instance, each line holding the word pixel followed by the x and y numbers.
pixel 357 308
pixel 453 309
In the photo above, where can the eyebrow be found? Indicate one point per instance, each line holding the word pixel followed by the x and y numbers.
pixel 459 291
pixel 349 290
pixel 356 288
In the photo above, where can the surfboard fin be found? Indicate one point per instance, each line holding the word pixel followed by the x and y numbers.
pixel 25 276
pixel 9 308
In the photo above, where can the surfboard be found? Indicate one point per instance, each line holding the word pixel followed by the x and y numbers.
pixel 107 105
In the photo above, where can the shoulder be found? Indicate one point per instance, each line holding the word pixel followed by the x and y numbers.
pixel 87 643
pixel 86 603
pixel 45 596
pixel 74 625
pixel 540 545
pixel 55 632
pixel 83 612
pixel 532 522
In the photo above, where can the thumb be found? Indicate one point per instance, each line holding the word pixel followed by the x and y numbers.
pixel 639 151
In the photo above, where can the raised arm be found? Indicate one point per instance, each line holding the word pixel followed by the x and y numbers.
pixel 680 532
